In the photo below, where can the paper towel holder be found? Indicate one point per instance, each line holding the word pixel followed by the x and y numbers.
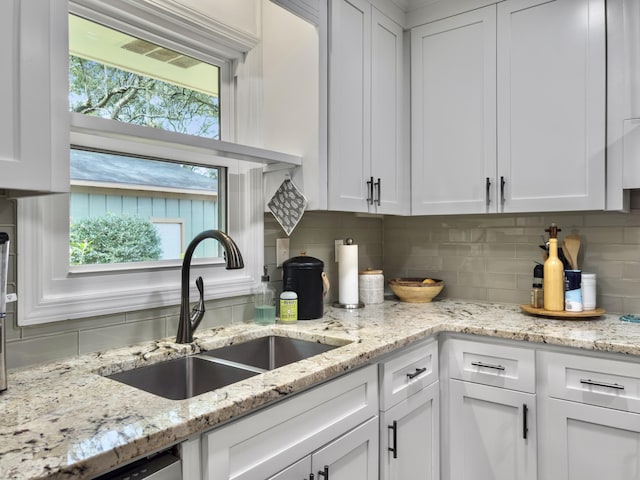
pixel 348 306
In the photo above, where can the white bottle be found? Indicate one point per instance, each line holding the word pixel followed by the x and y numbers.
pixel 589 291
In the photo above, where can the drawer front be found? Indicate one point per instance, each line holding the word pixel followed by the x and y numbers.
pixel 407 373
pixel 594 381
pixel 264 443
pixel 491 364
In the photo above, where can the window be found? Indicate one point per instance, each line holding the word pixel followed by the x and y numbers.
pixel 120 208
pixel 119 77
pixel 154 145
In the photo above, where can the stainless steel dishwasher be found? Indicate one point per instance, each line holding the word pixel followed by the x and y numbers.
pixel 162 466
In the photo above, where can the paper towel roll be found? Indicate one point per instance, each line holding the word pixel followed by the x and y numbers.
pixel 348 274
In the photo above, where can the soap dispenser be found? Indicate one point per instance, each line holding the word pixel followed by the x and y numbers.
pixel 264 300
pixel 553 274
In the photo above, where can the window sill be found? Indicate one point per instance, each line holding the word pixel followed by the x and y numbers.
pixel 217 148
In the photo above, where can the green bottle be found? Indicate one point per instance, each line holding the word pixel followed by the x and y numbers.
pixel 288 307
pixel 264 301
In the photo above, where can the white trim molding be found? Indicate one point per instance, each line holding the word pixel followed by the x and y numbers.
pixel 172 23
pixel 49 291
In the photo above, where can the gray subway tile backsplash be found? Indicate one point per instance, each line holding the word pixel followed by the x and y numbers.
pixel 480 257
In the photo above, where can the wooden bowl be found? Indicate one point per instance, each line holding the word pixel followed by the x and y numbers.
pixel 412 290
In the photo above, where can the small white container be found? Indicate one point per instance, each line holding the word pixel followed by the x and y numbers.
pixel 288 307
pixel 589 291
pixel 371 286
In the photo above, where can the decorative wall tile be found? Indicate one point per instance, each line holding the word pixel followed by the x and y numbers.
pixel 480 257
pixel 105 338
pixel 508 246
pixel 41 349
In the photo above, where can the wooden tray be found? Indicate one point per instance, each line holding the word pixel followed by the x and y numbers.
pixel 541 312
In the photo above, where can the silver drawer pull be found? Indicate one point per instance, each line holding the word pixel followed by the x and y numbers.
pixel 488 365
pixel 588 381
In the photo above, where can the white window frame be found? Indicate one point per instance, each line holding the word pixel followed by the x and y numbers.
pixel 48 288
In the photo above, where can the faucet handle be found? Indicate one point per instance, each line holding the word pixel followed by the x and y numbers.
pixel 200 285
pixel 197 312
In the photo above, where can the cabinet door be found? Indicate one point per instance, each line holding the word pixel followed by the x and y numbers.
pixel 591 443
pixel 389 161
pixel 298 471
pixel 409 434
pixel 353 456
pixel 34 123
pixel 551 104
pixel 268 441
pixel 349 105
pixel 493 433
pixel 453 114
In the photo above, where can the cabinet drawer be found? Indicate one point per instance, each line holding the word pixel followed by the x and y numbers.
pixel 594 381
pixel 407 373
pixel 491 364
pixel 264 443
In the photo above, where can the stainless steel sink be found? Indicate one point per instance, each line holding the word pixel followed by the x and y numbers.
pixel 189 376
pixel 269 352
pixel 183 377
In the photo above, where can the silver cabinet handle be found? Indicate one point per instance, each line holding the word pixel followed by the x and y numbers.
pixel 488 365
pixel 588 381
pixel 378 186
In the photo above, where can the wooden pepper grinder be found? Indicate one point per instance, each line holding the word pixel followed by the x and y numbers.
pixel 553 274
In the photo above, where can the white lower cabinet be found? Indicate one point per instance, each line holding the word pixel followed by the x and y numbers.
pixel 509 412
pixel 491 410
pixel 410 436
pixel 410 414
pixel 298 470
pixel 592 443
pixel 493 433
pixel 354 456
pixel 333 425
pixel 589 417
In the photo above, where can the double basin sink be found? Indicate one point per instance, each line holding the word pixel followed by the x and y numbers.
pixel 189 376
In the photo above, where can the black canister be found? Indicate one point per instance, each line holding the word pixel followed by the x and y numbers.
pixel 304 275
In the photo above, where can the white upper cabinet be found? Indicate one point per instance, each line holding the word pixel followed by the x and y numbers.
pixel 623 100
pixel 508 109
pixel 368 169
pixel 551 105
pixel 453 101
pixel 34 120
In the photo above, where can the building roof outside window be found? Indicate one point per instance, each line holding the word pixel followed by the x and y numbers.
pixel 128 171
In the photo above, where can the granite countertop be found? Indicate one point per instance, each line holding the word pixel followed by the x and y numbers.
pixel 64 420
